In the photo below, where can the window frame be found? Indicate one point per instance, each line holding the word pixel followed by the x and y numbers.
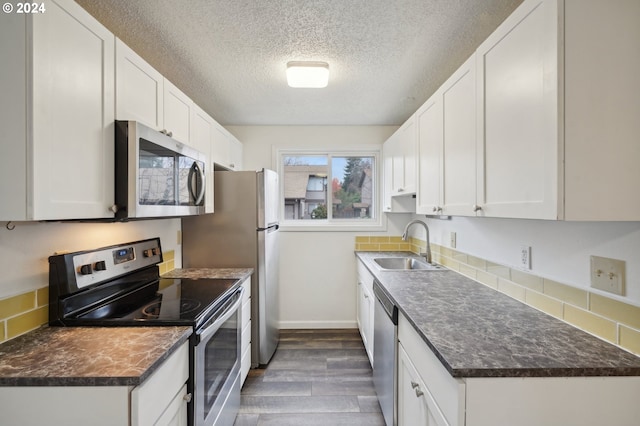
pixel 372 224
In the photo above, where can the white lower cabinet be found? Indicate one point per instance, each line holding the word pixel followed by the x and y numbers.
pixel 160 400
pixel 245 318
pixel 365 308
pixel 429 395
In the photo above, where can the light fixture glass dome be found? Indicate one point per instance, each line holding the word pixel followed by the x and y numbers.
pixel 307 74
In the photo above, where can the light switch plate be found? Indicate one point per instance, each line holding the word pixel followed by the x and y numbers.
pixel 608 274
pixel 452 240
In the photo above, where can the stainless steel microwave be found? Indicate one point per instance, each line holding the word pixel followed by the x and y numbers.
pixel 156 176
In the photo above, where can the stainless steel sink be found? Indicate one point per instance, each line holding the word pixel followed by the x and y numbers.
pixel 405 264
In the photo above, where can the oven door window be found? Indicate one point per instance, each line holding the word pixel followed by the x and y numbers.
pixel 166 177
pixel 217 363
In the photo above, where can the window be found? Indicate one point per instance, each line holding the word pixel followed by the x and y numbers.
pixel 325 189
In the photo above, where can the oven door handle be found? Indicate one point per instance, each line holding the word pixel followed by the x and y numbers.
pixel 208 330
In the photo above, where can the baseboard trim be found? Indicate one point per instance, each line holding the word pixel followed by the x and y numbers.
pixel 317 324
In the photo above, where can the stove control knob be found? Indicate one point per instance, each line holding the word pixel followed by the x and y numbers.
pixel 100 266
pixel 150 252
pixel 86 269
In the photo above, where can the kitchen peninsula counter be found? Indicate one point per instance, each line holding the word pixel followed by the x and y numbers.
pixel 476 331
pixel 87 356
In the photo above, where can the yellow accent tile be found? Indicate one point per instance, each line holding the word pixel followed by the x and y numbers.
pixel 450 263
pixel 568 294
pixel 544 303
pixel 468 271
pixel 26 322
pixel 397 240
pixel 487 279
pixel 511 289
pixel 389 247
pixel 435 248
pixel 527 280
pixel 460 257
pixel 446 251
pixel 418 242
pixel 169 255
pixel 404 246
pixel 2 336
pixel 369 247
pixel 162 268
pixel 362 239
pixel 171 265
pixel 590 322
pixel 615 310
pixel 630 339
pixel 379 239
pixel 17 304
pixel 499 270
pixel 476 262
pixel 42 296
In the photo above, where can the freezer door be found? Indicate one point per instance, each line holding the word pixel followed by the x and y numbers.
pixel 268 299
pixel 268 200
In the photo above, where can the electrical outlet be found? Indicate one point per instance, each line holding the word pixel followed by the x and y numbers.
pixel 608 274
pixel 452 240
pixel 525 257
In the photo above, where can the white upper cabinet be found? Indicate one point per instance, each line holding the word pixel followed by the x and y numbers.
pixel 556 119
pixel 57 103
pixel 177 113
pixel 227 150
pixel 447 147
pixel 558 112
pixel 143 94
pixel 139 88
pixel 399 157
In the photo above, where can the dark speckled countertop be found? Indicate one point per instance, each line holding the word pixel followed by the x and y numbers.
pixel 87 356
pixel 210 273
pixel 476 331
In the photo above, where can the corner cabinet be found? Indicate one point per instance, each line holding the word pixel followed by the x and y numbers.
pixel 365 308
pixel 429 395
pixel 227 150
pixel 57 84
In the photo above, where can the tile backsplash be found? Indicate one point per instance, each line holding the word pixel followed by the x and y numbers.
pixel 611 320
pixel 25 312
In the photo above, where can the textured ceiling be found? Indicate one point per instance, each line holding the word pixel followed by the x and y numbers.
pixel 386 57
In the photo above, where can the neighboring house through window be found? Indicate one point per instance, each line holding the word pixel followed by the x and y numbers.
pixel 329 188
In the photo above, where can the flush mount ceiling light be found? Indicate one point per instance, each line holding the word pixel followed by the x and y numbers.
pixel 308 74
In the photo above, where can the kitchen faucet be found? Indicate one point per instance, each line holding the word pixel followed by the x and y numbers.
pixel 427 255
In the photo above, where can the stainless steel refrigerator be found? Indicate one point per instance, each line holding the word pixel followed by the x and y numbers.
pixel 242 232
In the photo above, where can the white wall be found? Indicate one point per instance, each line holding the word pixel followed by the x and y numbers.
pixel 25 250
pixel 559 250
pixel 317 269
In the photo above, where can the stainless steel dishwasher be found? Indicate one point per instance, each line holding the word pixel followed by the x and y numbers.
pixel 385 336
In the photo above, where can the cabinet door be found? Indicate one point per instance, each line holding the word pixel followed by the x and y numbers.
pixel 459 141
pixel 139 88
pixel 430 135
pixel 72 115
pixel 221 147
pixel 236 151
pixel 408 146
pixel 416 406
pixel 176 412
pixel 177 113
pixel 387 169
pixel 518 127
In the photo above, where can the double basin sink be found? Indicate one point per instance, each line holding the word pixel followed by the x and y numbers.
pixel 405 264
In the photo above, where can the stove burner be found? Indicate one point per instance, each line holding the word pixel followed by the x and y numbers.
pixel 186 305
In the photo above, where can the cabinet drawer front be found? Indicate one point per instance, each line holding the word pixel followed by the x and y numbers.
pixel 153 396
pixel 245 313
pixel 364 276
pixel 448 393
pixel 246 285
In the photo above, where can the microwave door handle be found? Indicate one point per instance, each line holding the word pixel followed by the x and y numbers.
pixel 210 329
pixel 195 172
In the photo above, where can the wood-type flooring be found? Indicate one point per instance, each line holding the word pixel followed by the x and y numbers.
pixel 316 377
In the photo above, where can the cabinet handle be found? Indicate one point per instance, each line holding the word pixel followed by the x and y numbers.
pixel 414 385
pixel 170 134
pixel 232 165
pixel 476 208
pixel 437 209
pixel 400 189
pixel 187 397
pixel 366 296
pixel 419 393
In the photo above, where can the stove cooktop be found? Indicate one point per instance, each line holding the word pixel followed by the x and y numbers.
pixel 163 302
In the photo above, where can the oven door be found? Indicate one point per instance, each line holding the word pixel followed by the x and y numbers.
pixel 217 366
